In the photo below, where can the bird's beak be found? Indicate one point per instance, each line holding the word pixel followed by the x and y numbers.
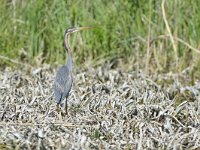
pixel 81 28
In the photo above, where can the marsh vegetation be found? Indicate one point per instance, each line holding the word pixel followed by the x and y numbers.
pixel 136 78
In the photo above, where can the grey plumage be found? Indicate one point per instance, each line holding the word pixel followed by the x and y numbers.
pixel 63 84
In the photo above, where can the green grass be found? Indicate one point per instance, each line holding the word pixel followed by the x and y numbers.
pixel 32 30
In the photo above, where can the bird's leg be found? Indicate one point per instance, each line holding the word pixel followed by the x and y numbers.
pixel 57 107
pixel 66 105
pixel 58 110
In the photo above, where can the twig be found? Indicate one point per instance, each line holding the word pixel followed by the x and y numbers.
pixel 14 61
pixel 179 40
pixel 39 124
pixel 176 120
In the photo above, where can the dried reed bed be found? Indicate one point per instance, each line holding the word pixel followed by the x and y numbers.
pixel 108 109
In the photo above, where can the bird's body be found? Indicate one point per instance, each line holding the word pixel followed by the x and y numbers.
pixel 63 80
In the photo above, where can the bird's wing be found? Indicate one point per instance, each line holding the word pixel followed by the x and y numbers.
pixel 57 92
pixel 68 84
pixel 63 83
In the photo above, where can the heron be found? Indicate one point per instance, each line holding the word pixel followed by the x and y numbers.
pixel 63 81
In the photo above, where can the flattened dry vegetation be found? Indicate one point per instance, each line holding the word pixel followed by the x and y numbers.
pixel 108 109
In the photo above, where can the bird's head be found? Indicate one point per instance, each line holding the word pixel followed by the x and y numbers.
pixel 72 30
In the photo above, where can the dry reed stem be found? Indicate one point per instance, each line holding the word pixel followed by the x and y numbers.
pixel 108 109
pixel 15 61
pixel 169 32
pixel 177 39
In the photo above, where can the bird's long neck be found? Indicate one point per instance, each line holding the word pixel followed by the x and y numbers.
pixel 69 58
